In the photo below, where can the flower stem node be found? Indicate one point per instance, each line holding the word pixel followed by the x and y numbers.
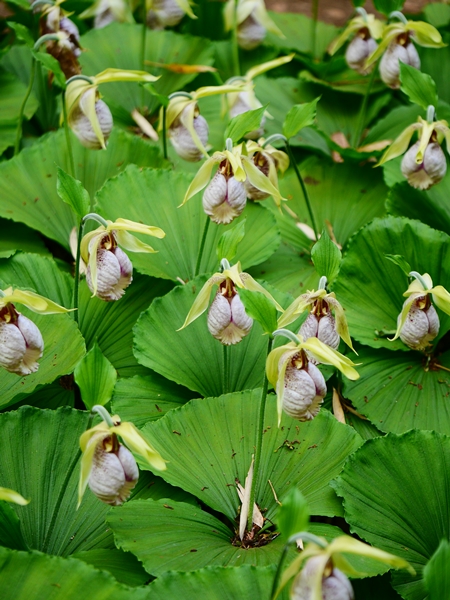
pixel 418 322
pixel 21 343
pixel 335 585
pixel 227 320
pixel 109 270
pixel 430 171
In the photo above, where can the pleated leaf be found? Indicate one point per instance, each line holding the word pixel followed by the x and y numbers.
pixel 16 236
pixel 13 93
pixel 180 357
pixel 371 287
pixel 156 198
pixel 36 576
pixel 436 573
pixel 394 499
pixel 209 445
pixel 28 181
pixel 397 393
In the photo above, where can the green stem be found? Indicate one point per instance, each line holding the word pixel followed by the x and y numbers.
pixel 202 246
pixel 101 410
pixel 276 579
pixel 315 13
pixel 143 44
pixel 22 108
pixel 363 110
pixel 77 273
pixel 258 446
pixel 226 374
pixel 164 132
pixel 68 141
pixel 235 46
pixel 302 185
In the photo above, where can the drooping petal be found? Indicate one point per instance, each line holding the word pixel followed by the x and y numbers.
pixel 273 360
pixel 8 495
pixel 132 243
pixel 88 443
pixel 426 35
pixel 326 355
pixel 400 144
pixel 441 298
pixel 127 225
pixel 111 75
pixel 187 119
pixel 295 309
pixel 267 66
pixel 136 443
pixel 253 286
pixel 92 262
pixel 203 176
pixel 404 314
pixel 341 321
pixel 202 300
pixel 33 301
pixel 87 106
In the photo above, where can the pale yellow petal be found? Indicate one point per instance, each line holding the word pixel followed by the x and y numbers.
pixel 202 176
pixel 111 75
pixel 132 243
pixel 202 300
pixel 138 444
pixel 267 66
pixel 8 495
pixel 87 106
pixel 260 181
pixel 88 447
pixel 341 321
pixel 125 224
pixel 253 286
pixel 441 298
pixel 35 302
pixel 399 145
pixel 326 355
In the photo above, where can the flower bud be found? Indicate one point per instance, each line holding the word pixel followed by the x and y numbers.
pixel 421 325
pixel 82 128
pixel 427 173
pixel 359 49
pixel 401 50
pixel 164 13
pixel 335 585
pixel 182 140
pixel 304 388
pixel 227 320
pixel 243 104
pixel 224 197
pixel 114 270
pixel 21 343
pixel 114 472
pixel 250 33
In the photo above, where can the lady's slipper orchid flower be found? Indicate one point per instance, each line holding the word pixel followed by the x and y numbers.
pixel 268 160
pixel 320 322
pixel 244 100
pixel 424 163
pixel 167 13
pixel 396 46
pixel 187 129
pixel 8 495
pixel 106 465
pixel 66 49
pixel 21 343
pixel 109 269
pixel 324 567
pixel 227 319
pixel 366 29
pixel 300 394
pixel 252 21
pixel 108 11
pixel 418 323
pixel 225 197
pixel 88 116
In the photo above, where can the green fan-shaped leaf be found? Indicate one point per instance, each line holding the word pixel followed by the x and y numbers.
pixel 207 460
pixel 371 287
pixel 346 197
pixel 436 573
pixel 156 198
pixel 43 463
pixel 109 324
pixel 394 499
pixel 16 236
pixel 430 207
pixel 402 392
pixel 13 93
pixel 179 356
pixel 10 533
pixel 146 398
pixel 374 588
pixel 28 181
pixel 123 566
pixel 216 583
pixel 35 576
pixel 119 47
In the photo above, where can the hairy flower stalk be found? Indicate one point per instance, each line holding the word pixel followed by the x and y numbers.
pixel 366 29
pixel 418 322
pixel 299 385
pixel 107 466
pixel 109 270
pixel 424 164
pixel 227 319
pixel 21 342
pixel 87 115
pixel 397 46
